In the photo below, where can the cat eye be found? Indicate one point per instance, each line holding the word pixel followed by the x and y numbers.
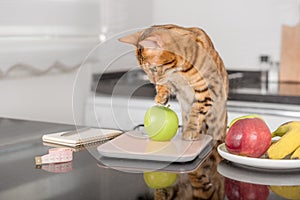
pixel 139 53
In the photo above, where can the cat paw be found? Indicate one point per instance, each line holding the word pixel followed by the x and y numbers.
pixel 162 94
pixel 190 135
pixel 161 100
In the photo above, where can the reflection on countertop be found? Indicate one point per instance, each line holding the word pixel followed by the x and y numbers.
pixel 244 86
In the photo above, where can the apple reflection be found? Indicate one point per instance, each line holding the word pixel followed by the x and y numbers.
pixel 159 179
pixel 236 190
pixel 243 182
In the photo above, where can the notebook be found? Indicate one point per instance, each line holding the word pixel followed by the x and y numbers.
pixel 81 137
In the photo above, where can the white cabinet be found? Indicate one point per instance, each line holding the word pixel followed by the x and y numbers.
pixel 273 121
pixel 273 114
pixel 125 113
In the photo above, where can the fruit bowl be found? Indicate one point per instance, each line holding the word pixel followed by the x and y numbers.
pixel 262 163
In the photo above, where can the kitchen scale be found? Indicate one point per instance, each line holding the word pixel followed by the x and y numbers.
pixel 138 166
pixel 136 145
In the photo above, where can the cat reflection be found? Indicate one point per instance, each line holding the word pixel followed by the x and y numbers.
pixel 202 183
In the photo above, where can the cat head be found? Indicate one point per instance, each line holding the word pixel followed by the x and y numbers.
pixel 154 54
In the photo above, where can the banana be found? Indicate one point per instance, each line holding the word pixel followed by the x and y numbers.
pixel 288 192
pixel 283 129
pixel 296 154
pixel 288 143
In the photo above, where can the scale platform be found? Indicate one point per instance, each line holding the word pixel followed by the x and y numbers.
pixel 137 146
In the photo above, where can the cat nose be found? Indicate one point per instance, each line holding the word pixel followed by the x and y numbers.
pixel 153 69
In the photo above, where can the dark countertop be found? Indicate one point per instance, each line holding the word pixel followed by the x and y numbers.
pixel 21 179
pixel 244 86
pixel 86 178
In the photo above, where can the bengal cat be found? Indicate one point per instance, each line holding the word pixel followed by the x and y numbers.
pixel 183 61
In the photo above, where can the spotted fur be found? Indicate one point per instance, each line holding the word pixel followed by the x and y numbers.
pixel 183 61
pixel 203 183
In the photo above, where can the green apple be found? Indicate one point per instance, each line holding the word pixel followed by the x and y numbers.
pixel 161 123
pixel 244 117
pixel 160 179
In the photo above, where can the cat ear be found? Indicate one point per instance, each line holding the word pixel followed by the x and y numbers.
pixel 131 39
pixel 151 42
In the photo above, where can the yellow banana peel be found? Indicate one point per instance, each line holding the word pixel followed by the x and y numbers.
pixel 288 192
pixel 296 154
pixel 289 141
pixel 283 129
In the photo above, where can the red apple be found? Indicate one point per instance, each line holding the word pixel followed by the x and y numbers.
pixel 248 137
pixel 236 190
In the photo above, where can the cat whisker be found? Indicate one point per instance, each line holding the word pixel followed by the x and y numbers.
pixel 161 82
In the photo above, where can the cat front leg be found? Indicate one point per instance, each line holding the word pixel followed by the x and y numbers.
pixel 196 124
pixel 162 94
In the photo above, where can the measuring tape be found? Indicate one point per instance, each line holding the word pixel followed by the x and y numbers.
pixel 55 155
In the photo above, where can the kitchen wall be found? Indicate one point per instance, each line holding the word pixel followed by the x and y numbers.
pixel 49 17
pixel 241 30
pixel 43 44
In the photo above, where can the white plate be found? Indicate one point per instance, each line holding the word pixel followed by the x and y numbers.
pixel 258 162
pixel 257 176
